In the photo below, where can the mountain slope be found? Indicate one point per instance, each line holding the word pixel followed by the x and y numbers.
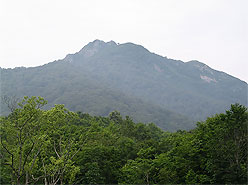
pixel 61 83
pixel 190 88
pixel 102 77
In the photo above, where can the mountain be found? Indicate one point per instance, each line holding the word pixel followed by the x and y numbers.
pixel 190 88
pixel 105 76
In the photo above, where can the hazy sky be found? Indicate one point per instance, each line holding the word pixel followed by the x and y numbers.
pixel 35 32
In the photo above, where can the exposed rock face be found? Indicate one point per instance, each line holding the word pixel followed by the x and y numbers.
pixel 208 79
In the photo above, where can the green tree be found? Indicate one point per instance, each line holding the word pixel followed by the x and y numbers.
pixel 64 142
pixel 38 146
pixel 22 139
pixel 223 142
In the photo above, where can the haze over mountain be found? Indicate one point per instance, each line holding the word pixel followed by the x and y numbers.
pixel 105 76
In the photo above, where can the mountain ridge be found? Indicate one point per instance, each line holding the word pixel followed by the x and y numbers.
pixel 103 43
pixel 136 53
pixel 191 89
pixel 111 41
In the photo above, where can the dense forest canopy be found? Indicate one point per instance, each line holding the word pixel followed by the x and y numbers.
pixel 57 146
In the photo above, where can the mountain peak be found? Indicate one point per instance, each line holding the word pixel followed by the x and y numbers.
pixel 111 43
pixel 100 43
pixel 93 47
pixel 95 43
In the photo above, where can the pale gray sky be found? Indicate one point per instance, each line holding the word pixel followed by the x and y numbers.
pixel 35 32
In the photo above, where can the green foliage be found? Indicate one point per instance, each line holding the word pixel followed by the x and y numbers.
pixel 30 138
pixel 22 136
pixel 58 146
pixel 224 143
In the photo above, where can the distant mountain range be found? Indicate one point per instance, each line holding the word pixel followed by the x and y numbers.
pixel 105 76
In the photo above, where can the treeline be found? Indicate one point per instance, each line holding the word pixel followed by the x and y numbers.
pixel 57 146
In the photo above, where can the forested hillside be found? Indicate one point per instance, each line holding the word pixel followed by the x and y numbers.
pixel 103 77
pixel 59 146
pixel 65 84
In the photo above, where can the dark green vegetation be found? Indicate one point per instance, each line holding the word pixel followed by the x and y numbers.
pixel 103 77
pixel 65 84
pixel 57 146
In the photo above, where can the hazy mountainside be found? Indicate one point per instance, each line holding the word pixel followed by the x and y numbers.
pixel 61 83
pixel 103 77
pixel 191 88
